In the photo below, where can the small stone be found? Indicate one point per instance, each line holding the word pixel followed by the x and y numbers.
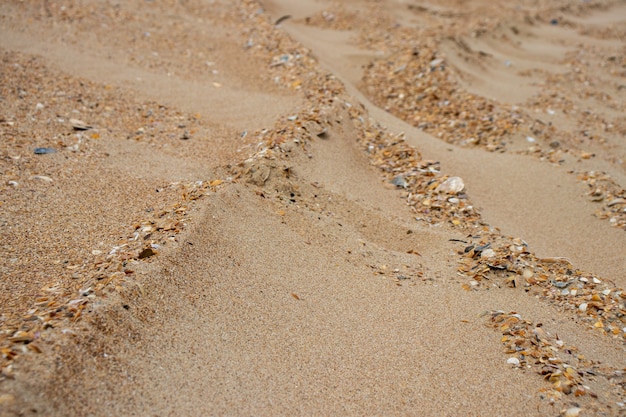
pixel 583 307
pixel 488 253
pixel 43 151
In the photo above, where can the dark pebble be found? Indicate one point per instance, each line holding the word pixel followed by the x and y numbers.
pixel 42 151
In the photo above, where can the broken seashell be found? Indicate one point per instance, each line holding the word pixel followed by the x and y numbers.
pixel 399 181
pixel 41 177
pixel 572 412
pixel 21 336
pixel 452 185
pixel 513 361
pixel 79 124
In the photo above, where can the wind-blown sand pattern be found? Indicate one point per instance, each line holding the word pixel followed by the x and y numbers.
pixel 313 208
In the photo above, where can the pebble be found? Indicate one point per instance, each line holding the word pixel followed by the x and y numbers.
pixel 43 151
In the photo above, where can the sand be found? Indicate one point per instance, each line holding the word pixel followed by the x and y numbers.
pixel 244 212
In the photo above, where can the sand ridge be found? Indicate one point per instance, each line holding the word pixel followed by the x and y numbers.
pixel 285 273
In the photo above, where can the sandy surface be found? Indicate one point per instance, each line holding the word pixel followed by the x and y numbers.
pixel 312 208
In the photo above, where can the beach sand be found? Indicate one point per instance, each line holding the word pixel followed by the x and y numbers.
pixel 313 208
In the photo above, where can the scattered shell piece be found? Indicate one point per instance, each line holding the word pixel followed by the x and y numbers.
pixel 21 336
pixel 78 124
pixel 7 400
pixel 42 178
pixel 616 201
pixel 513 361
pixel 146 253
pixel 399 181
pixel 452 185
pixel 572 412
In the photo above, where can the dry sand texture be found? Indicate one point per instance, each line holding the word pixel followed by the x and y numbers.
pixel 313 207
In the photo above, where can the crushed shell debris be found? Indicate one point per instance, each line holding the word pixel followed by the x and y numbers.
pixel 420 181
pixel 567 371
pixel 415 82
pixel 447 112
pixel 107 272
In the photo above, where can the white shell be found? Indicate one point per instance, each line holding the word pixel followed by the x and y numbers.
pixel 452 185
pixel 513 361
pixel 573 412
